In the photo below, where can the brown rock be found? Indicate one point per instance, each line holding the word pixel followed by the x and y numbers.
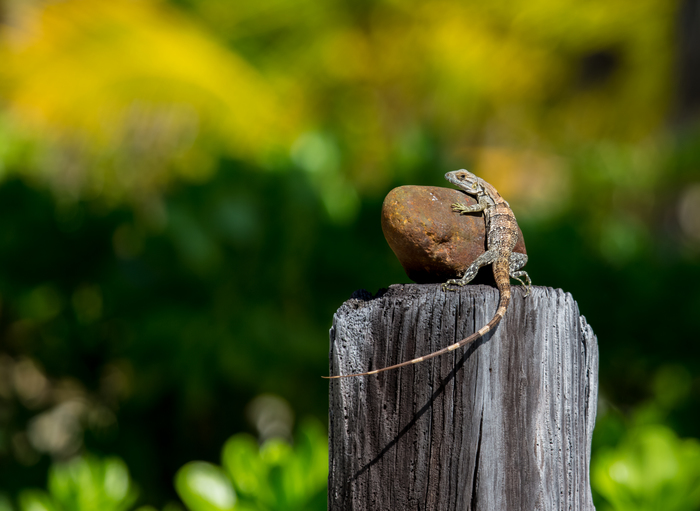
pixel 432 242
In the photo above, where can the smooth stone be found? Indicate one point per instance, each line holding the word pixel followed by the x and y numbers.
pixel 432 242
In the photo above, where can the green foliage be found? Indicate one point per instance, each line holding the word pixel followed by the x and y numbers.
pixel 141 94
pixel 36 500
pixel 85 483
pixel 253 143
pixel 650 469
pixel 639 463
pixel 166 317
pixel 273 477
pixel 276 476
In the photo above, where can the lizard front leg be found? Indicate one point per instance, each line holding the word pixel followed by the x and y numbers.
pixel 463 210
pixel 517 261
pixel 484 259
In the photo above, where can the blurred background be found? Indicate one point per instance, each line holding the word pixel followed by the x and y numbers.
pixel 190 188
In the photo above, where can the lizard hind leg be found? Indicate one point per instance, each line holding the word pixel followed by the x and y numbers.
pixel 517 261
pixel 516 275
pixel 484 259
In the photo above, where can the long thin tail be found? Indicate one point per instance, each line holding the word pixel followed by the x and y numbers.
pixel 500 312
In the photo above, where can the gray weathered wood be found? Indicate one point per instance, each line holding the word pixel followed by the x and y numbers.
pixel 503 424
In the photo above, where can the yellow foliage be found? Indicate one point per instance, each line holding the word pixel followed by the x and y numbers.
pixel 520 75
pixel 133 80
pixel 147 93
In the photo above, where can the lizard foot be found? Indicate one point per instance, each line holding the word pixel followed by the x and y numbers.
pixel 462 209
pixel 484 259
pixel 458 208
pixel 528 286
pixel 452 282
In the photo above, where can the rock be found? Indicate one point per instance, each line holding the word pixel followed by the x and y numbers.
pixel 432 242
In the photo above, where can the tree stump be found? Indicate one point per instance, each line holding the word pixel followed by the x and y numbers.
pixel 502 424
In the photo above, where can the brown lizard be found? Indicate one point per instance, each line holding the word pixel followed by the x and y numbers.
pixel 502 235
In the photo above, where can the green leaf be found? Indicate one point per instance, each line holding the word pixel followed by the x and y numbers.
pixel 241 459
pixel 36 500
pixel 204 487
pixel 277 476
pixel 651 469
pixel 87 483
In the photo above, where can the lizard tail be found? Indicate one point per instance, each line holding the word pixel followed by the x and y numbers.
pixel 500 312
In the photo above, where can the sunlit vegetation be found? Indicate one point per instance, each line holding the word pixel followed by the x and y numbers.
pixel 190 188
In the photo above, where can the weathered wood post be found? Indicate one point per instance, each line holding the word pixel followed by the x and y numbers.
pixel 503 424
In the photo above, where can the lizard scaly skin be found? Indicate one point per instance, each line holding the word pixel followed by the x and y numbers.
pixel 502 235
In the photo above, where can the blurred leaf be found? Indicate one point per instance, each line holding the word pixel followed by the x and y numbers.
pixel 36 500
pixel 278 476
pixel 651 469
pixel 87 483
pixel 41 304
pixel 319 156
pixel 204 487
pixel 240 456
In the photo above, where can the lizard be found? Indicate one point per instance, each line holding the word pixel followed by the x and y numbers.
pixel 501 237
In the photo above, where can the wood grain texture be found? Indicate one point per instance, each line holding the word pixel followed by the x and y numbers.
pixel 505 423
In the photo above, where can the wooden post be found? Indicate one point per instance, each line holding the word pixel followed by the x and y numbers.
pixel 503 424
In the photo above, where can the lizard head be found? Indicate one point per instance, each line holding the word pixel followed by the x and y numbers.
pixel 465 180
